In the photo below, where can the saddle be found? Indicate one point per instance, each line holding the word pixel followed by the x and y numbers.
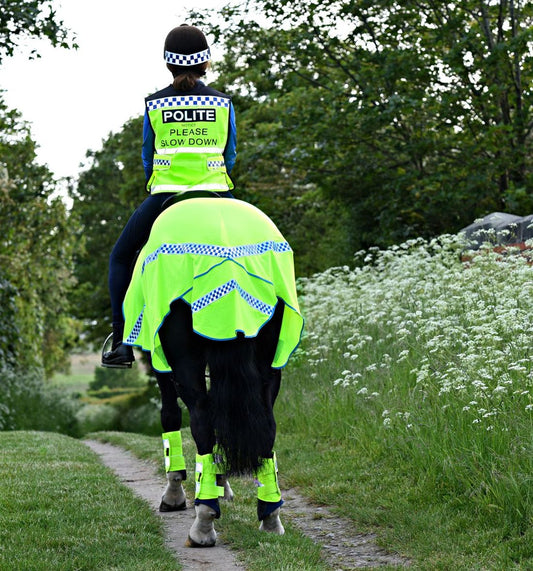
pixel 174 199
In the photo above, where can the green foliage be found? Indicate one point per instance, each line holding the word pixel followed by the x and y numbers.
pixel 143 419
pixel 121 413
pixel 415 384
pixel 94 417
pixel 26 403
pixel 8 328
pixel 30 18
pixel 36 251
pixel 106 195
pixel 131 408
pixel 413 115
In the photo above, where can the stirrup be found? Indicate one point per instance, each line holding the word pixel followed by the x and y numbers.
pixel 106 349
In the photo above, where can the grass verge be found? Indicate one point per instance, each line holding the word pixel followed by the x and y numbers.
pixel 410 404
pixel 61 509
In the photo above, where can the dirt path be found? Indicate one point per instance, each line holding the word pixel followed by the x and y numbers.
pixel 343 547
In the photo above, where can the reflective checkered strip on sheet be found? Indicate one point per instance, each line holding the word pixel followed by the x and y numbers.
pixel 136 329
pixel 228 252
pixel 226 288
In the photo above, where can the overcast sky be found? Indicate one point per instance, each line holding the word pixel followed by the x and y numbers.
pixel 73 99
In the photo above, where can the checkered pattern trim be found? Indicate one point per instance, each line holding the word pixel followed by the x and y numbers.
pixel 228 252
pixel 136 329
pixel 187 59
pixel 188 101
pixel 161 162
pixel 215 164
pixel 226 288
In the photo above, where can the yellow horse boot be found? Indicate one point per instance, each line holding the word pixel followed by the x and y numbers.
pixel 202 532
pixel 269 499
pixel 173 498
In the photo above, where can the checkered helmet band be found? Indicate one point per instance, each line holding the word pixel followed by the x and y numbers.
pixel 187 60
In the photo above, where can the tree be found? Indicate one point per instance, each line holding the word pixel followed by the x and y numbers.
pixel 36 250
pixel 414 115
pixel 107 192
pixel 30 18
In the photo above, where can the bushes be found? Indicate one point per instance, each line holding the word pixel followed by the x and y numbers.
pixel 122 409
pixel 28 404
pixel 8 329
pixel 96 417
pixel 115 378
pixel 130 404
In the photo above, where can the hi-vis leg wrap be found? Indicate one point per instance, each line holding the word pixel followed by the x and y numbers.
pixel 174 460
pixel 266 479
pixel 206 478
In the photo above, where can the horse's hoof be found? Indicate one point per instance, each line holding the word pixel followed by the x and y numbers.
pixel 164 507
pixel 272 524
pixel 202 532
pixel 191 543
pixel 173 498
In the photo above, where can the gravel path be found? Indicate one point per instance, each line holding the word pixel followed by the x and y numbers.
pixel 343 547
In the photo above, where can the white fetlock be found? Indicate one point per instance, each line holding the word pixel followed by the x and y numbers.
pixel 202 532
pixel 228 492
pixel 272 524
pixel 173 498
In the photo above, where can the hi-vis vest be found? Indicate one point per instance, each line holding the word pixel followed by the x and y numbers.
pixel 191 132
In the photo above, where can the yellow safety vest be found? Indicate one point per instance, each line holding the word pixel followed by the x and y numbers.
pixel 191 132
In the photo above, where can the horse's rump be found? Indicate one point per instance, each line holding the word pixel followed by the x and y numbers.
pixel 224 258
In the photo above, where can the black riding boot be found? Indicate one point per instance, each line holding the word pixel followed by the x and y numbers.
pixel 121 356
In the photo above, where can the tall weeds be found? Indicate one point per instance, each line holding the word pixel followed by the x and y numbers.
pixel 424 360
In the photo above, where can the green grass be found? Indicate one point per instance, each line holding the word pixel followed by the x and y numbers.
pixel 409 407
pixel 72 383
pixel 61 509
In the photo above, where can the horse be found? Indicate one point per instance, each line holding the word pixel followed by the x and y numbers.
pixel 213 288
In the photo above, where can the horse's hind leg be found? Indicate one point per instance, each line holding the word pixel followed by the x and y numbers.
pixel 269 499
pixel 185 353
pixel 173 498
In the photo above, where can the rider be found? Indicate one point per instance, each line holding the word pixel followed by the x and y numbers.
pixel 189 146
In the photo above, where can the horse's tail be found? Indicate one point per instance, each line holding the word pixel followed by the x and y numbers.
pixel 243 421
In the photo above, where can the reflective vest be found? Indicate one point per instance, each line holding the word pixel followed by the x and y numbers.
pixel 191 132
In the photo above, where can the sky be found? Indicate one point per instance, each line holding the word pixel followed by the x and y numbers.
pixel 73 99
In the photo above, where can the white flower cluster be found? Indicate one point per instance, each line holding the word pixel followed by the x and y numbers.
pixel 453 322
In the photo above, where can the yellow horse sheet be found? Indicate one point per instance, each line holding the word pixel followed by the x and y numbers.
pixel 228 261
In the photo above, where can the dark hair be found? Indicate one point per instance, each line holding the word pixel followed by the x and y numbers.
pixel 184 78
